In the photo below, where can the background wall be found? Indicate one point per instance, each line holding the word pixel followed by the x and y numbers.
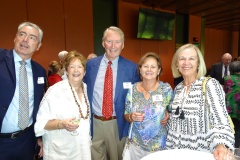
pixel 75 24
pixel 135 48
pixel 215 42
pixel 104 15
pixel 67 25
pixel 218 42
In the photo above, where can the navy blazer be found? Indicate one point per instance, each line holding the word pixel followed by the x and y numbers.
pixel 127 72
pixel 216 72
pixel 8 82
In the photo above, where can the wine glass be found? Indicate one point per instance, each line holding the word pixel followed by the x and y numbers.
pixel 140 110
pixel 76 121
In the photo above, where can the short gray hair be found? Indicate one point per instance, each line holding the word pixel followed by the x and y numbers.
pixel 34 26
pixel 234 67
pixel 116 29
pixel 61 55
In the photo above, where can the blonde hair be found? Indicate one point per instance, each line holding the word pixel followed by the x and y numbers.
pixel 201 64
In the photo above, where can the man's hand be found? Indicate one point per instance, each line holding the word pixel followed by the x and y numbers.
pixel 40 144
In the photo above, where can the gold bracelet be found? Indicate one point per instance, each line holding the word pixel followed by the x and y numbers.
pixel 130 119
pixel 58 125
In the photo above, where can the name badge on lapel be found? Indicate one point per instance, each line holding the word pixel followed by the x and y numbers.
pixel 40 80
pixel 127 85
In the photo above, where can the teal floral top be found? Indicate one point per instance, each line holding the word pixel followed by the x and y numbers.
pixel 149 135
pixel 232 90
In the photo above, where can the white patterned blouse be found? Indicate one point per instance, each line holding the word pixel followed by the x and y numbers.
pixel 191 125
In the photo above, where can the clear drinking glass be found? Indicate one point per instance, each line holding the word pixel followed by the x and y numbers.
pixel 235 155
pixel 76 121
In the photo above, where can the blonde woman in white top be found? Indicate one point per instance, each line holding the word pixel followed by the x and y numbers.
pixel 193 124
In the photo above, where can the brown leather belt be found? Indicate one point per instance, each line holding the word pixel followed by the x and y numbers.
pixel 104 118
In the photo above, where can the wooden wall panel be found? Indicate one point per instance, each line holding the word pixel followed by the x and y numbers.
pixel 49 16
pixel 234 44
pixel 166 52
pixel 194 28
pixel 79 26
pixel 128 21
pixel 12 13
pixel 218 42
pixel 67 25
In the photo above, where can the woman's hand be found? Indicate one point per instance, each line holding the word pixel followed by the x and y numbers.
pixel 68 125
pixel 220 153
pixel 137 117
pixel 165 119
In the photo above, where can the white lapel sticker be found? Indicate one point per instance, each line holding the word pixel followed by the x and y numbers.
pixel 157 98
pixel 127 85
pixel 40 80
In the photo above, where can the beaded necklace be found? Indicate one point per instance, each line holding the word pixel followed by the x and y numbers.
pixel 79 107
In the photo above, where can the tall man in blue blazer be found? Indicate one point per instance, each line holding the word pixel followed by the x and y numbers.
pixel 109 133
pixel 17 143
pixel 218 69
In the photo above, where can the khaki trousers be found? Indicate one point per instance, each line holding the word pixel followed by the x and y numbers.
pixel 105 143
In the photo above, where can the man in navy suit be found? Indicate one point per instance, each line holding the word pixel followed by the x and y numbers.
pixel 221 69
pixel 109 133
pixel 17 143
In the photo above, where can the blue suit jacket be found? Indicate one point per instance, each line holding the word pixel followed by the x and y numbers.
pixel 8 83
pixel 127 72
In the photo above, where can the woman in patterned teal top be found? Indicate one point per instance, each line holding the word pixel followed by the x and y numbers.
pixel 232 90
pixel 146 107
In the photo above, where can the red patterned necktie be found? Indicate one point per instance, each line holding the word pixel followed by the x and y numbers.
pixel 107 107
